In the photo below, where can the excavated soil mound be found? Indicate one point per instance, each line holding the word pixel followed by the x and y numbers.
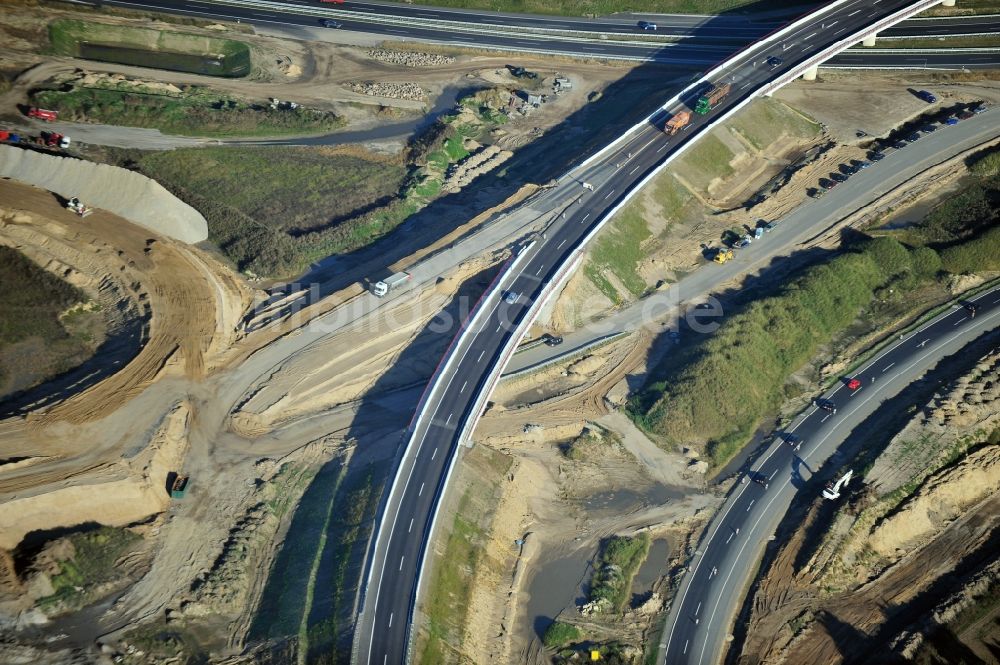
pixel 126 193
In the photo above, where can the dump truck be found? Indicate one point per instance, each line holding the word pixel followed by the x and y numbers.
pixel 179 487
pixel 677 123
pixel 724 255
pixel 42 114
pixel 383 286
pixel 715 94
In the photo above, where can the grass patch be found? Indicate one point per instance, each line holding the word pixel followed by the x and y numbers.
pixel 766 120
pixel 146 47
pixel 91 567
pixel 619 563
pixel 970 41
pixel 706 160
pixel 605 7
pixel 618 250
pixel 39 320
pixel 560 634
pixel 464 558
pixel 965 8
pixel 196 111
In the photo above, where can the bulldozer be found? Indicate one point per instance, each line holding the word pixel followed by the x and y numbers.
pixel 77 206
pixel 724 255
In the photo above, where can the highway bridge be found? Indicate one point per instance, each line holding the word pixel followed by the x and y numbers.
pixel 589 195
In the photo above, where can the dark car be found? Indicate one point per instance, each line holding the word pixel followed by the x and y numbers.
pixel 964 115
pixel 647 25
pixel 330 23
pixel 849 169
pixel 774 62
pixel 898 144
pixel 915 136
pixel 950 120
pixel 793 441
pixel 826 405
pixel 551 340
pixel 860 164
pixel 875 155
pixel 980 108
pixel 838 177
pixel 926 96
pixel 927 129
pixel 826 183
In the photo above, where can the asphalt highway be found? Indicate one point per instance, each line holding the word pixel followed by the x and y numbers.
pixel 727 557
pixel 708 39
pixel 382 631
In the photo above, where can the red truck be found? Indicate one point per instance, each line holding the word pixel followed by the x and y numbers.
pixel 54 140
pixel 43 114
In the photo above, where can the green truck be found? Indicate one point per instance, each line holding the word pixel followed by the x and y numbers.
pixel 712 97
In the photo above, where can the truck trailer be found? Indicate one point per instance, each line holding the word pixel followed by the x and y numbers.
pixel 383 286
pixel 715 94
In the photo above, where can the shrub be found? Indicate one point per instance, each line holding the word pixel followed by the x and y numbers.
pixel 559 634
pixel 974 255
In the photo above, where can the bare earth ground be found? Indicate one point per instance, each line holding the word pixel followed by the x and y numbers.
pixel 873 583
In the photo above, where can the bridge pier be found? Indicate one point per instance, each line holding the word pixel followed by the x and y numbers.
pixel 870 39
pixel 810 74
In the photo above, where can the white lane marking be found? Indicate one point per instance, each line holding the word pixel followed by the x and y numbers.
pixel 856 11
pixel 809 37
pixel 401 560
pixel 686 646
pixel 585 217
pixel 831 25
pixel 410 528
pixel 959 321
pixel 634 170
pixel 609 194
pixel 663 147
pixel 539 271
pixel 887 367
pixel 421 492
pixel 773 475
pixel 805 457
pixel 697 609
pixel 499 327
pixel 434 454
pixel 481 354
pixel 391 614
pixel 449 418
pixel 751 505
pixel 825 417
pixel 561 243
pixel 264 15
pixel 745 85
pixel 464 385
pixel 385 660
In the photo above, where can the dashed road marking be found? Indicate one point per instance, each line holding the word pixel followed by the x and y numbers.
pixel 421 492
pixel 410 528
pixel 609 194
pixel 391 614
pixel 481 354
pixel 773 475
pixel 959 321
pixel 751 505
pixel 697 609
pixel 450 415
pixel 729 538
pixel 466 383
pixel 434 454
pixel 686 646
pixel 401 560
pixel 824 419
pixel 887 367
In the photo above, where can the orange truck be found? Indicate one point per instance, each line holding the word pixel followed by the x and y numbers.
pixel 678 122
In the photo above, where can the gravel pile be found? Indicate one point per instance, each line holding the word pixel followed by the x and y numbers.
pixel 411 59
pixel 410 91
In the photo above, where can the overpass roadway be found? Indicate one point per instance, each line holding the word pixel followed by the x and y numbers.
pixel 727 557
pixel 793 232
pixel 451 405
pixel 706 40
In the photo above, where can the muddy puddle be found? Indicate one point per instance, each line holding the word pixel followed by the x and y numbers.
pixel 558 584
pixel 652 569
pixel 625 500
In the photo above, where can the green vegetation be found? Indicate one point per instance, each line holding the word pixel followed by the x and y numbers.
pixel 38 320
pixel 91 566
pixel 302 204
pixel 605 7
pixel 965 8
pixel 560 634
pixel 594 437
pixel 145 47
pixel 707 160
pixel 766 120
pixel 196 111
pixel 465 556
pixel 619 563
pixel 618 250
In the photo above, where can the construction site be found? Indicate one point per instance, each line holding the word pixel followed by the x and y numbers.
pixel 197 430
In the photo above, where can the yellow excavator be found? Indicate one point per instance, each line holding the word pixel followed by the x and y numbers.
pixel 723 255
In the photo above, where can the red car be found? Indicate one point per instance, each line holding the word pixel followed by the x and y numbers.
pixel 854 384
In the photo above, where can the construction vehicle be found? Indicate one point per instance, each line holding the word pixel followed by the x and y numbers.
pixel 42 114
pixel 179 487
pixel 77 206
pixel 723 255
pixel 712 97
pixel 383 286
pixel 678 122
pixel 54 140
pixel 832 490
